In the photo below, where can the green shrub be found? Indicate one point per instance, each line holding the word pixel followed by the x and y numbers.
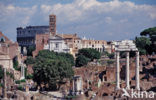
pixel 70 97
pixel 25 71
pixel 96 84
pixel 29 76
pixel 15 64
pixel 1 72
pixel 23 81
pixel 110 62
pixel 111 56
pixel 20 87
pixel 17 81
pixel 10 74
pixel 1 85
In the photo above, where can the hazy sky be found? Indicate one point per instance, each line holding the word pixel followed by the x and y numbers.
pixel 98 19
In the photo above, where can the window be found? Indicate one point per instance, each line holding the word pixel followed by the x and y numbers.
pixel 56 45
pixel 52 19
pixel 52 30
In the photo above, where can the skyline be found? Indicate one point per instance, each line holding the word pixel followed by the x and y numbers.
pixel 98 19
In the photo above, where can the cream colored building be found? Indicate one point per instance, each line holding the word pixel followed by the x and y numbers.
pixel 95 44
pixel 57 44
pixel 71 43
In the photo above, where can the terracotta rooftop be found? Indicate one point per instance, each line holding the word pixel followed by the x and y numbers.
pixel 67 36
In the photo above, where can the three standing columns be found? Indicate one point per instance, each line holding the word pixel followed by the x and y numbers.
pixel 127 70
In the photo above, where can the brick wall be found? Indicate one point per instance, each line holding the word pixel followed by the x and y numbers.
pixel 41 40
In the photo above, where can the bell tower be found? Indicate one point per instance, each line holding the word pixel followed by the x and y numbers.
pixel 52 24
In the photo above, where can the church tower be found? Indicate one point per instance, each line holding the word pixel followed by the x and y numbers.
pixel 52 24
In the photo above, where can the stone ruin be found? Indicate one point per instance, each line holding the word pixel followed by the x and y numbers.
pixel 22 71
pixel 126 46
pixel 77 88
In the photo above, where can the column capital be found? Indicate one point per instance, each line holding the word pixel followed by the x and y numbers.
pixel 137 53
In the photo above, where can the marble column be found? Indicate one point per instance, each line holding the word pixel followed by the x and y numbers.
pixel 4 87
pixel 88 84
pixel 127 70
pixel 22 72
pixel 137 71
pixel 117 70
pixel 81 86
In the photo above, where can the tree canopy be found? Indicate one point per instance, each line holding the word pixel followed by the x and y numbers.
pixel 30 60
pixel 68 57
pixel 143 44
pixel 85 55
pixel 150 32
pixel 147 42
pixel 30 50
pixel 90 53
pixel 81 60
pixel 110 55
pixel 51 68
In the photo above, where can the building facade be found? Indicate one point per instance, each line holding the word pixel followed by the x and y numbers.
pixel 57 44
pixel 5 61
pixel 68 43
pixel 8 51
pixel 26 36
pixel 9 47
pixel 73 42
pixel 41 43
pixel 99 45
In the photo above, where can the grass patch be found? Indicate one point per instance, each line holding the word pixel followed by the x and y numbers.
pixel 20 87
